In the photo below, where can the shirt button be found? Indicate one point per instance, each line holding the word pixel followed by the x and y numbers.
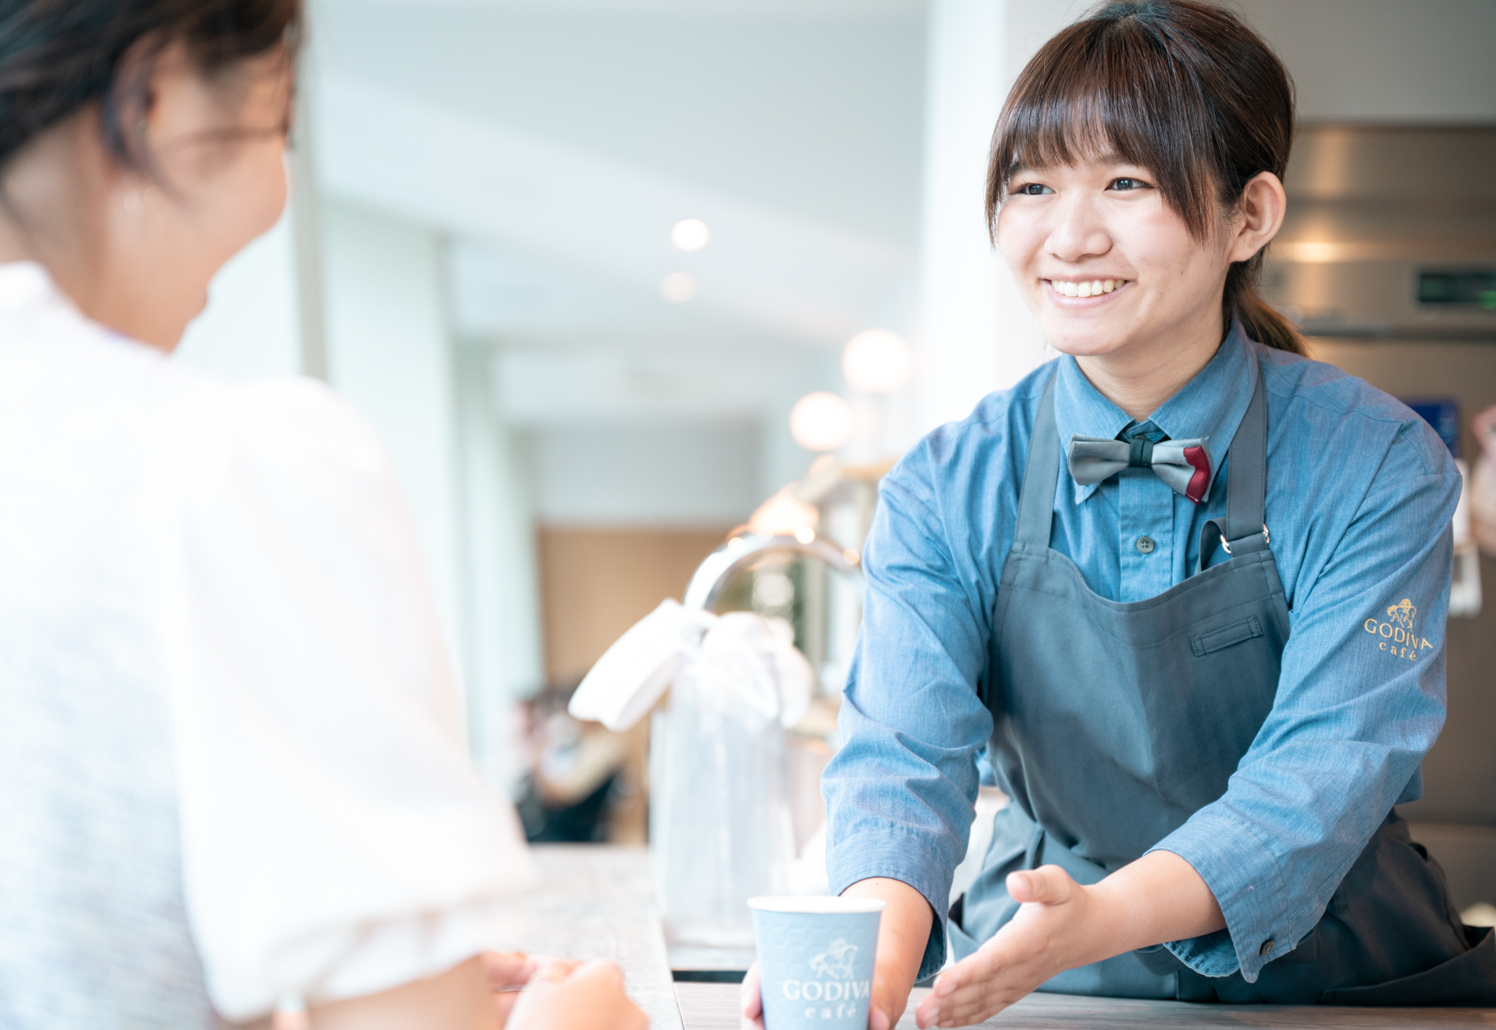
pixel 1146 544
pixel 1266 949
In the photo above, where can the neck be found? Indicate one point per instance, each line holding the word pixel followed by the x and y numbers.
pixel 1138 379
pixel 50 210
pixel 57 201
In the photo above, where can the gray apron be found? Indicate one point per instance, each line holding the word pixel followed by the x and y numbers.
pixel 1114 722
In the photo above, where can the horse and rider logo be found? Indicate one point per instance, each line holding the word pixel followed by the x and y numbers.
pixel 1403 613
pixel 836 961
pixel 835 984
pixel 1396 631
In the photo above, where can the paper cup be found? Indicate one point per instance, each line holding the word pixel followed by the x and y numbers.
pixel 815 960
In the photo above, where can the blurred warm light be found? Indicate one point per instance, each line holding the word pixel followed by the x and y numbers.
pixel 690 234
pixel 783 515
pixel 821 421
pixel 877 361
pixel 678 287
pixel 773 589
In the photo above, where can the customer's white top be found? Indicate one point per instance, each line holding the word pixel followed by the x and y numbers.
pixel 231 755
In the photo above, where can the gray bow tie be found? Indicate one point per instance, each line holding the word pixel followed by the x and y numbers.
pixel 1183 464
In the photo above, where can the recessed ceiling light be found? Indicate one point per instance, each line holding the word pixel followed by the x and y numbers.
pixel 877 361
pixel 821 421
pixel 690 234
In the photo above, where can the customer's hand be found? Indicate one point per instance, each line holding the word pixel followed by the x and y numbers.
pixel 566 997
pixel 509 971
pixel 753 1005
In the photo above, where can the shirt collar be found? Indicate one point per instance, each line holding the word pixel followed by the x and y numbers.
pixel 1209 406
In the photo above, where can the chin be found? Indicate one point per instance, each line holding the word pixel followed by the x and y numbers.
pixel 1082 341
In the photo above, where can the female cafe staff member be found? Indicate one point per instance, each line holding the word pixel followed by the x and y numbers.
pixel 1186 587
pixel 231 760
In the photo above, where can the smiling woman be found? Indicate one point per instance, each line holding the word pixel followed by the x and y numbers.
pixel 1202 743
pixel 1195 98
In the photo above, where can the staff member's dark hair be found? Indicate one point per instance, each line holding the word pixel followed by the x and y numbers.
pixel 59 56
pixel 1180 87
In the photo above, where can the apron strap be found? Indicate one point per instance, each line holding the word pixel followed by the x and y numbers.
pixel 1041 474
pixel 1245 528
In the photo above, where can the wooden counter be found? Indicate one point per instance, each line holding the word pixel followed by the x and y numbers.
pixel 715 1007
pixel 595 902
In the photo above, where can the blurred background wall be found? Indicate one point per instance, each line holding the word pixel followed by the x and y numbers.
pixel 479 256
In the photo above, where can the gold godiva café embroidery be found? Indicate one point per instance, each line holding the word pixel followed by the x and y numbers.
pixel 1396 633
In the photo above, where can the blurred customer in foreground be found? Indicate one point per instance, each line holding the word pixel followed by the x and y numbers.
pixel 231 762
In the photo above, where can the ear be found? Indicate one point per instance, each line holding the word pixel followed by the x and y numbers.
pixel 1259 214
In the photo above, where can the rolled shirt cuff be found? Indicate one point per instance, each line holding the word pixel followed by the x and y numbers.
pixel 1248 883
pixel 896 854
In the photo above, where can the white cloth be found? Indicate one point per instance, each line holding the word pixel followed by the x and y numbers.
pixel 232 763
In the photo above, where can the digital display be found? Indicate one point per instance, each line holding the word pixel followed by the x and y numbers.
pixel 1473 288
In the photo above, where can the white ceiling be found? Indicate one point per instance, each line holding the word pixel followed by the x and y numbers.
pixel 555 142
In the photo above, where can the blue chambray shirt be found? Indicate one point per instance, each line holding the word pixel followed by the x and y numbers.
pixel 1359 500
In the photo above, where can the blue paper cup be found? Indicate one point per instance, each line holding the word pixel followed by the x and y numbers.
pixel 815 960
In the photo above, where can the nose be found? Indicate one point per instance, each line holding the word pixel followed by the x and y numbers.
pixel 1078 231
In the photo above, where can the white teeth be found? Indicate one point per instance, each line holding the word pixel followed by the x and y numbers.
pixel 1094 288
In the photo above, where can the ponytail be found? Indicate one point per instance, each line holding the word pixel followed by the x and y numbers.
pixel 1259 320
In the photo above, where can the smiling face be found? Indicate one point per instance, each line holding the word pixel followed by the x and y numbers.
pixel 1109 268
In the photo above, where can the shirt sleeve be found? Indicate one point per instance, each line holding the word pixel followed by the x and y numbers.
pixel 1360 700
pixel 900 793
pixel 336 839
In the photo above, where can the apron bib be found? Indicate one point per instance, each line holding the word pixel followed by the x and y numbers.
pixel 1115 722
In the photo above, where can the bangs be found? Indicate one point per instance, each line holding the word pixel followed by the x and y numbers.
pixel 1114 86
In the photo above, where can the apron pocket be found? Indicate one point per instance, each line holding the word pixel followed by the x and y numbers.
pixel 1220 639
pixel 1465 980
pixel 962 943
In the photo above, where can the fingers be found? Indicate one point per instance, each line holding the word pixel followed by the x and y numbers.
pixel 507 968
pixel 1049 885
pixel 606 975
pixel 877 1019
pixel 967 992
pixel 750 994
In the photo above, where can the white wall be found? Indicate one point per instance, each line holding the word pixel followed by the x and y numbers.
pixel 251 327
pixel 389 354
pixel 501 628
pixel 669 474
pixel 975 333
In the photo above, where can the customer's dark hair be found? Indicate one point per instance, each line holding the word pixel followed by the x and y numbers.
pixel 58 56
pixel 1180 87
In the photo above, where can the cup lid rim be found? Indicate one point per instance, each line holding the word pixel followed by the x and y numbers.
pixel 816 904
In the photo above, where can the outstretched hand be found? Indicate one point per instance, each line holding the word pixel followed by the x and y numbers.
pixel 1052 931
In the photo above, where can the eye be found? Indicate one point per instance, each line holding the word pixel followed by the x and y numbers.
pixel 1127 184
pixel 1032 189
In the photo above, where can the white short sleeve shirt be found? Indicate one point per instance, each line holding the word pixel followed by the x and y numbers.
pixel 232 763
